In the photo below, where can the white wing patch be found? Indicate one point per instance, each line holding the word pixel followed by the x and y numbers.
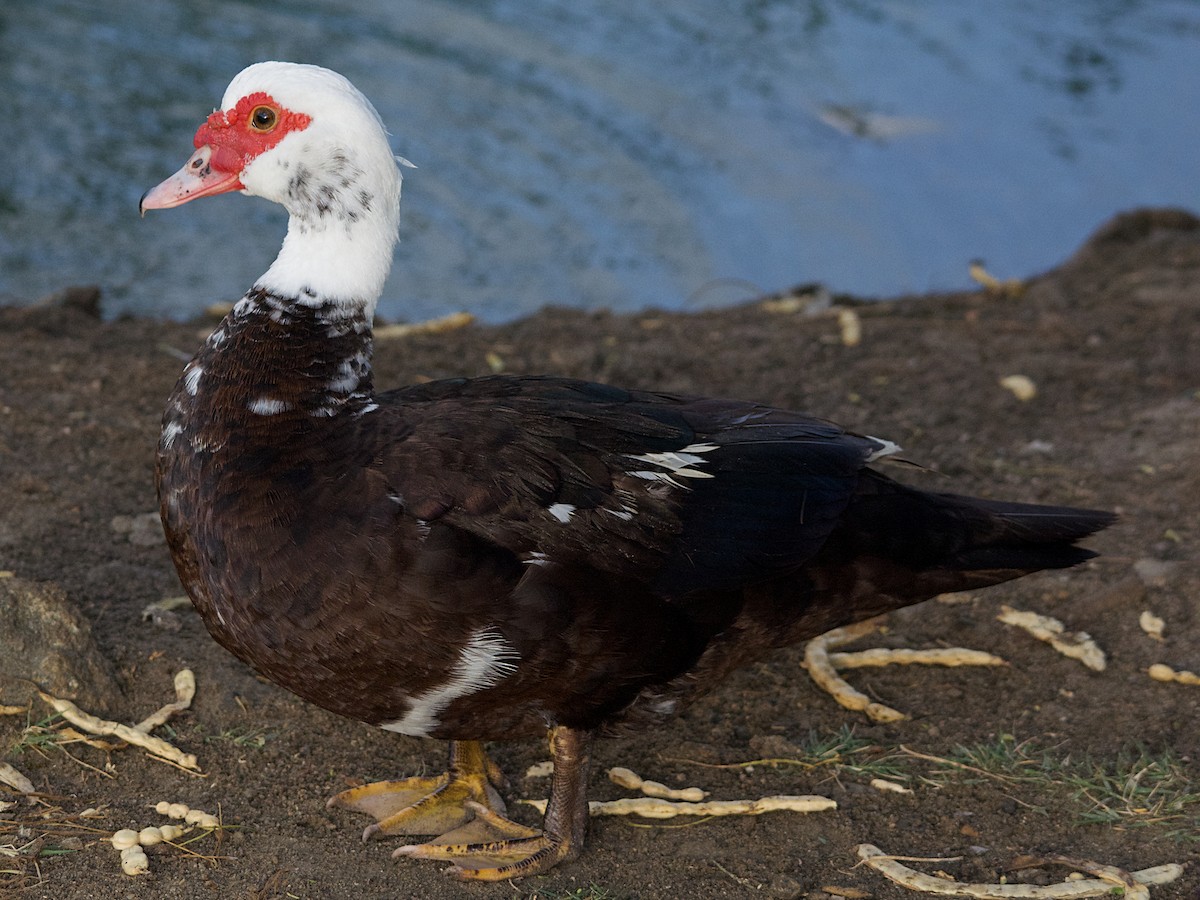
pixel 484 661
pixel 886 448
pixel 191 380
pixel 170 431
pixel 267 406
pixel 561 511
pixel 681 463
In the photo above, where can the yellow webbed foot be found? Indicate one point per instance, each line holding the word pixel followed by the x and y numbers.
pixel 434 805
pixel 493 848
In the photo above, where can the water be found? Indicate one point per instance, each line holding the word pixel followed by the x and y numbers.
pixel 597 153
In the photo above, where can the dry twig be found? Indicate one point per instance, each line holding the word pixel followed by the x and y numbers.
pixel 627 778
pixel 822 666
pixel 14 779
pixel 882 656
pixel 185 690
pixel 1134 884
pixel 1077 645
pixel 431 326
pixel 654 808
pixel 95 725
pixel 1162 672
pixel 820 670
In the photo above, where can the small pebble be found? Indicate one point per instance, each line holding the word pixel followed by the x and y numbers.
pixel 785 887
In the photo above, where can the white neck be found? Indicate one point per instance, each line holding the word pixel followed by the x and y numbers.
pixel 334 260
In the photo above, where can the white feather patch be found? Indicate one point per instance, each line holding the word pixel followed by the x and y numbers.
pixel 267 406
pixel 191 379
pixel 485 660
pixel 887 448
pixel 561 511
pixel 170 431
pixel 677 462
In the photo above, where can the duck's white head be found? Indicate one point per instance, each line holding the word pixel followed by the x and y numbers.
pixel 305 138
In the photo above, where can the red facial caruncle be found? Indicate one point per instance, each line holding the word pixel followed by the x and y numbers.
pixel 225 145
pixel 256 124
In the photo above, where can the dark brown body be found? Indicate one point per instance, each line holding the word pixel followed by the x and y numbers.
pixel 350 546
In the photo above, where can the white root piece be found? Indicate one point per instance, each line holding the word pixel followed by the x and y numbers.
pixel 850 327
pixel 882 784
pixel 1009 287
pixel 627 778
pixel 1021 386
pixel 881 656
pixel 1162 672
pixel 816 659
pixel 1163 874
pixel 189 816
pixel 543 769
pixel 14 779
pixel 1130 888
pixel 654 808
pixel 134 861
pixel 185 690
pixel 1133 883
pixel 1152 624
pixel 822 666
pixel 6 710
pixel 432 326
pixel 124 838
pixel 95 725
pixel 1077 644
pixel 166 604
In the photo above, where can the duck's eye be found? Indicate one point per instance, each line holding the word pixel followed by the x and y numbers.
pixel 263 118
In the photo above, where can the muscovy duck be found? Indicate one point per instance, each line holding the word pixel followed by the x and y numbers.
pixel 503 557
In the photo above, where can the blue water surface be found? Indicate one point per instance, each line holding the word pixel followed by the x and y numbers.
pixel 596 153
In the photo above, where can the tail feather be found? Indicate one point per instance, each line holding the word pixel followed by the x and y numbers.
pixel 1021 536
pixel 947 542
pixel 1040 524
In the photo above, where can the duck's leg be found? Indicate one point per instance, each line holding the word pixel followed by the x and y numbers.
pixel 430 805
pixel 563 826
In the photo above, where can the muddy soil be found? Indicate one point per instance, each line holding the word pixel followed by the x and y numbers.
pixel 1110 339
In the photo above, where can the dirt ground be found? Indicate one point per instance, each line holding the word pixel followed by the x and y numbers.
pixel 1097 766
